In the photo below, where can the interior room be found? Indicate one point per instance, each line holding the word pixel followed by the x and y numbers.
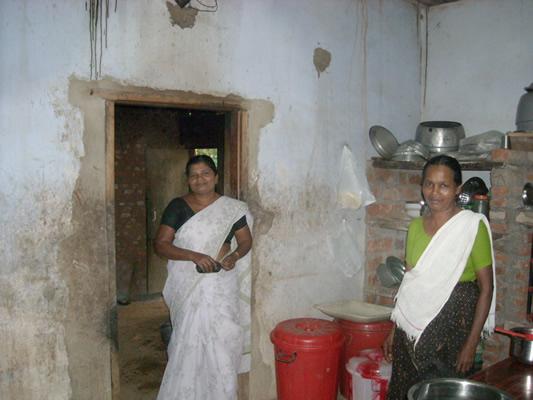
pixel 103 103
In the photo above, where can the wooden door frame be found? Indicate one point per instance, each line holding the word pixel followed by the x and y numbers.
pixel 236 184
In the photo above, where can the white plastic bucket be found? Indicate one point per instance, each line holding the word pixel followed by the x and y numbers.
pixel 370 377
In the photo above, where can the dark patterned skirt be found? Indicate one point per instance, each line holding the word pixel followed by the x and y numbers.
pixel 440 343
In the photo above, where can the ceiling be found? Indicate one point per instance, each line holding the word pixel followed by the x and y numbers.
pixel 435 2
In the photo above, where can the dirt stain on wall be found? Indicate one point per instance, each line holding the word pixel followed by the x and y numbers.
pixel 183 17
pixel 86 256
pixel 321 59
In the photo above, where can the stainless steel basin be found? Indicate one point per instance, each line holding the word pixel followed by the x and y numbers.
pixel 455 389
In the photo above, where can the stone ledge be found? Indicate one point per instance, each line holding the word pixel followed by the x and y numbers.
pixel 390 223
pixel 481 165
pixel 525 217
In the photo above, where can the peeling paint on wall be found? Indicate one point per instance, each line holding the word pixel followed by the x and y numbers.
pixel 90 214
pixel 35 293
pixel 321 59
pixel 183 17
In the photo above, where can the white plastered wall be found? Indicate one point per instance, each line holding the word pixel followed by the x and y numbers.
pixel 253 49
pixel 480 58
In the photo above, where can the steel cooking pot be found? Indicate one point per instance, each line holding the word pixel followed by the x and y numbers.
pixel 521 343
pixel 440 136
pixel 455 389
pixel 524 112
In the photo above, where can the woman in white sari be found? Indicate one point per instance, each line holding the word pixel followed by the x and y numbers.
pixel 206 238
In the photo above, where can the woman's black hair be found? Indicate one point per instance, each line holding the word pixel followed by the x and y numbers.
pixel 449 162
pixel 201 158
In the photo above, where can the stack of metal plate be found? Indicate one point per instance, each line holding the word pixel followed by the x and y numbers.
pixel 411 150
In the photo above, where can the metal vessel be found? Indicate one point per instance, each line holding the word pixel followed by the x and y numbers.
pixel 455 389
pixel 440 136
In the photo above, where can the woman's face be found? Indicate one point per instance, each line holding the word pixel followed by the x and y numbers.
pixel 439 188
pixel 202 179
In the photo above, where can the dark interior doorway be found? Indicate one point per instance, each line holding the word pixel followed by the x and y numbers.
pixel 152 146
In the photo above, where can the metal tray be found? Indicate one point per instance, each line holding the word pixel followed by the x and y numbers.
pixel 355 311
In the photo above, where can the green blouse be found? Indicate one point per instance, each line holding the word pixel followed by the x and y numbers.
pixel 480 256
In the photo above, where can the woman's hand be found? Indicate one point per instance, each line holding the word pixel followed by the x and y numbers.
pixel 387 346
pixel 465 358
pixel 228 263
pixel 243 237
pixel 205 262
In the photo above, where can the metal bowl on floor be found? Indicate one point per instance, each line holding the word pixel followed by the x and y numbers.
pixel 455 389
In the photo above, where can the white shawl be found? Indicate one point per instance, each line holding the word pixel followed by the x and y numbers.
pixel 426 288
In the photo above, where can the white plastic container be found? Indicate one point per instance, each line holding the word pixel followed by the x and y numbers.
pixel 412 209
pixel 370 376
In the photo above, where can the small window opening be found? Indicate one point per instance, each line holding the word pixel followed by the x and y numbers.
pixel 213 153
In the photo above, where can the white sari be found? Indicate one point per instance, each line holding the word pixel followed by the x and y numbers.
pixel 210 312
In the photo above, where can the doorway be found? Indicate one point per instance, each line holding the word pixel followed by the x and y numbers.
pixel 152 144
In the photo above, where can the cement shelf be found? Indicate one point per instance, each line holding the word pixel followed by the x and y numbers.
pixel 481 165
pixel 390 223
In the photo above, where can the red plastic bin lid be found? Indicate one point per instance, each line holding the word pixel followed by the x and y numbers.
pixel 377 326
pixel 307 333
pixel 374 370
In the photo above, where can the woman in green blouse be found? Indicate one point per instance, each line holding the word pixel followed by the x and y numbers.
pixel 446 298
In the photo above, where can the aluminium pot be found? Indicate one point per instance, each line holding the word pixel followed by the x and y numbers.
pixel 524 112
pixel 455 389
pixel 521 343
pixel 522 348
pixel 440 136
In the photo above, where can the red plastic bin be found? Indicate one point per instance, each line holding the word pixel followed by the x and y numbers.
pixel 359 336
pixel 307 352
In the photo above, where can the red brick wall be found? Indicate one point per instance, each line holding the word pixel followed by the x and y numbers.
pixel 387 223
pixel 130 215
pixel 136 129
pixel 512 245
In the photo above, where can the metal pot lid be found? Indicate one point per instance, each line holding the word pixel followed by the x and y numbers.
pixel 383 141
pixel 387 278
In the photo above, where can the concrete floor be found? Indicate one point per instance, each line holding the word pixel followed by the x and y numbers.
pixel 142 353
